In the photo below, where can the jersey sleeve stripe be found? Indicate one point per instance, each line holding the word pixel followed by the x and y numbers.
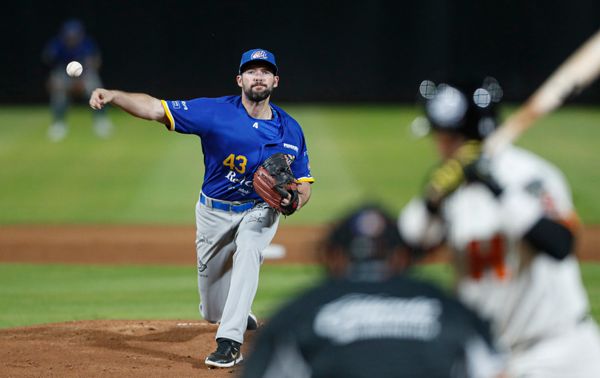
pixel 171 125
pixel 305 179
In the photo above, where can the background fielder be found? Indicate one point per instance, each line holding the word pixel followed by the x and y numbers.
pixel 72 43
pixel 511 226
pixel 234 225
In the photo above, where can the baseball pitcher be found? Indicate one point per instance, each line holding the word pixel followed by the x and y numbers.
pixel 239 135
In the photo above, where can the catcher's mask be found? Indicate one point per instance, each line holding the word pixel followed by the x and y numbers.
pixel 367 234
pixel 467 109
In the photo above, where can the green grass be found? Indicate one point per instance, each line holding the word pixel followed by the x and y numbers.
pixel 591 279
pixel 141 175
pixel 146 175
pixel 35 294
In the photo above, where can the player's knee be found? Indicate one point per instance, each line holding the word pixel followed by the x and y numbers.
pixel 209 316
pixel 248 252
pixel 57 84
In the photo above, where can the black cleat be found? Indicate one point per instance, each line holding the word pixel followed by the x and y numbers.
pixel 227 354
pixel 252 322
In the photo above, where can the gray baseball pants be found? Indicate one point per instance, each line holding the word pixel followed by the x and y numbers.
pixel 229 249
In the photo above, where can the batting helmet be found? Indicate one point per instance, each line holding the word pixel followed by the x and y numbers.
pixel 462 108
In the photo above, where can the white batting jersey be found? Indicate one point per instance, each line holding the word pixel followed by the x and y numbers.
pixel 528 295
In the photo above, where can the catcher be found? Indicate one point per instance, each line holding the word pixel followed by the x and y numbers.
pixel 369 320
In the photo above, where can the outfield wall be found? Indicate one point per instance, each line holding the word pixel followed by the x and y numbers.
pixel 342 51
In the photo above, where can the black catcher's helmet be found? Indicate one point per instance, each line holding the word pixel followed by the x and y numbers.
pixel 366 234
pixel 465 108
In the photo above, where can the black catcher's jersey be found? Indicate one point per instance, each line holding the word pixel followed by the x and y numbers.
pixel 399 327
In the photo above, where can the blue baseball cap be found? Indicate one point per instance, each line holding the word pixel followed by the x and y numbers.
pixel 258 55
pixel 72 26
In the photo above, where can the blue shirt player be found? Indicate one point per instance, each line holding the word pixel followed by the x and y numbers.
pixel 72 43
pixel 233 224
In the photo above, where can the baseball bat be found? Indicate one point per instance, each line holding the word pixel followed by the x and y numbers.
pixel 571 77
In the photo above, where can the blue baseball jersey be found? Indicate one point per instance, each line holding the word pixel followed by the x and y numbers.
pixel 234 144
pixel 59 54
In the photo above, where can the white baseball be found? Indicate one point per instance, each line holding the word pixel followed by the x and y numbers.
pixel 74 69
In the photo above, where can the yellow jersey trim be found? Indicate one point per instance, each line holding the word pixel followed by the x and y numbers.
pixel 306 179
pixel 171 125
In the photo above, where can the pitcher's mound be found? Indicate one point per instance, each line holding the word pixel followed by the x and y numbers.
pixel 115 348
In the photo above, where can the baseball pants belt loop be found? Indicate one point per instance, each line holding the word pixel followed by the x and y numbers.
pixel 236 207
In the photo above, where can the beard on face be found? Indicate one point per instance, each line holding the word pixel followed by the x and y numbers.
pixel 257 96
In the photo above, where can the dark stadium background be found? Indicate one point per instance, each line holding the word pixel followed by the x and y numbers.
pixel 328 51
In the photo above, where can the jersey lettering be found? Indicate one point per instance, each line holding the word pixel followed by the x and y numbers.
pixel 232 177
pixel 237 163
pixel 487 255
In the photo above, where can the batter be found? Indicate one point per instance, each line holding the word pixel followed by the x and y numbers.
pixel 511 227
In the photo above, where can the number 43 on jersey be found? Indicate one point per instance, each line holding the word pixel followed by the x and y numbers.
pixel 236 162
